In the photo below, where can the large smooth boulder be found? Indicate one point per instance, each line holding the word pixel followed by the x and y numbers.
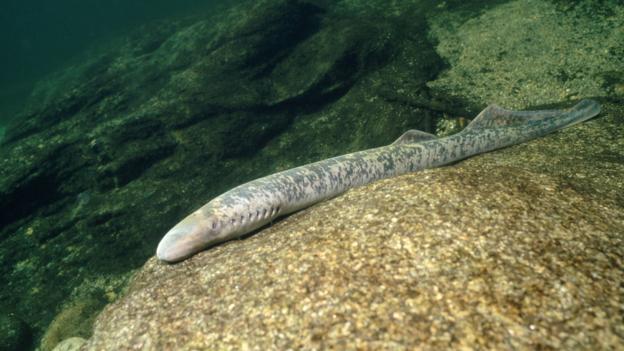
pixel 520 248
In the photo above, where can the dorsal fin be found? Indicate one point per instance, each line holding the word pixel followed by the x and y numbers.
pixel 414 136
pixel 495 116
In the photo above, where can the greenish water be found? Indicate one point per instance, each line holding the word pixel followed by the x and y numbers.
pixel 39 37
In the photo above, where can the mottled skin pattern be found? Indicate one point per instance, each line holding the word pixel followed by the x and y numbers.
pixel 256 203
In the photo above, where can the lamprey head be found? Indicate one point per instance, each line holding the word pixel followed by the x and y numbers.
pixel 191 235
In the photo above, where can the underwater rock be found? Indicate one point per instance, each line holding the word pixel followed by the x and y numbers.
pixel 518 248
pixel 544 57
pixel 110 153
pixel 73 320
pixel 70 344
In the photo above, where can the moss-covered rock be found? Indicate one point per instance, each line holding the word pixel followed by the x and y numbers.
pixel 75 320
pixel 111 153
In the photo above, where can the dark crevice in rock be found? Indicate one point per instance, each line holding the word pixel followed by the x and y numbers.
pixel 276 36
pixel 31 193
pixel 39 188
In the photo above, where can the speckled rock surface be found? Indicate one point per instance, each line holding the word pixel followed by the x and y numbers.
pixel 509 250
pixel 529 52
pixel 71 344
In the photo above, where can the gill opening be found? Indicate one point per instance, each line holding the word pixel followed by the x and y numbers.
pixel 260 214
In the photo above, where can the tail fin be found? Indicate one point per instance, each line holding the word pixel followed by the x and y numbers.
pixel 495 116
